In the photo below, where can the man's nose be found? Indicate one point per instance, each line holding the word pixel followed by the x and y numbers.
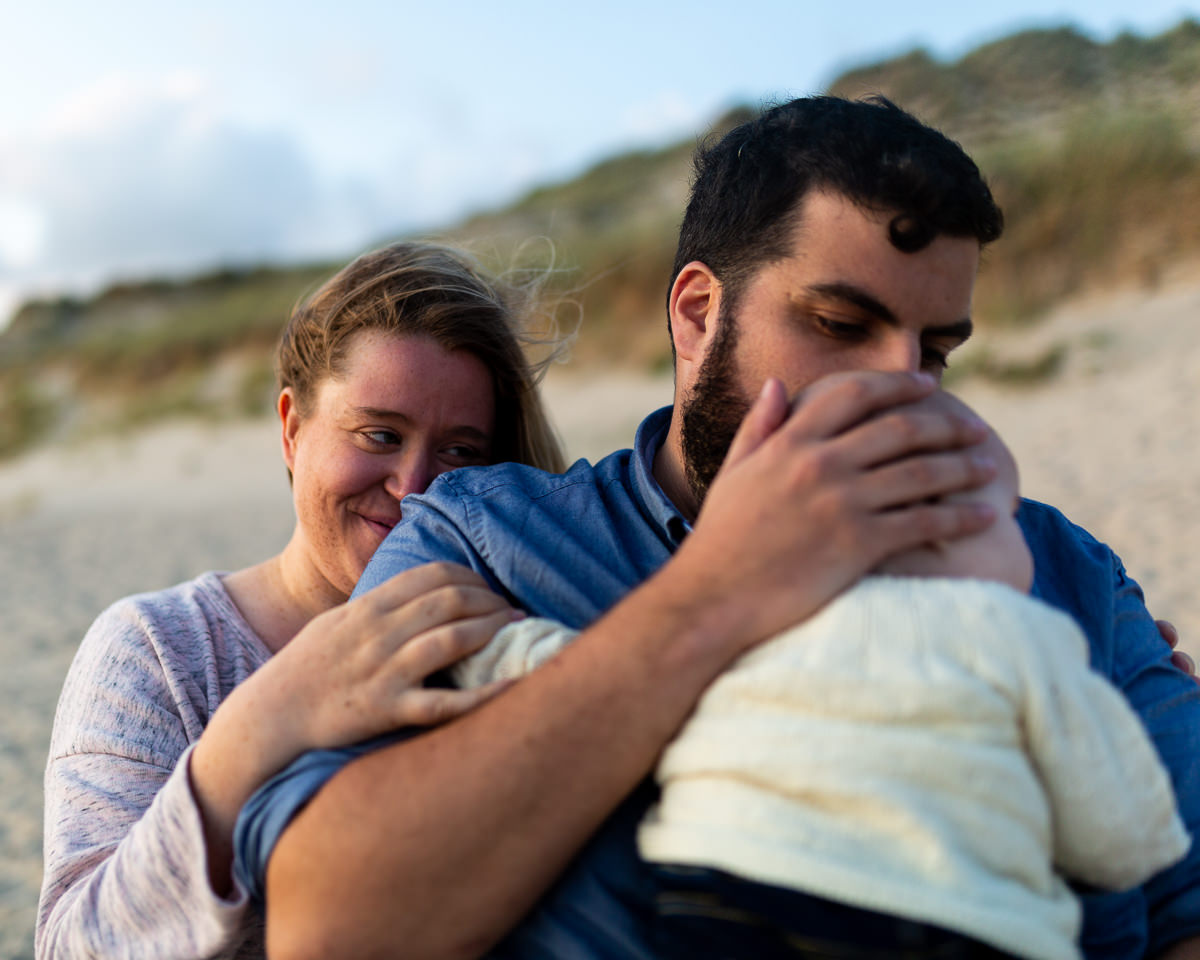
pixel 412 473
pixel 899 353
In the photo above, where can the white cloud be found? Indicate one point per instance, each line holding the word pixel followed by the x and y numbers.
pixel 22 232
pixel 137 175
pixel 128 179
pixel 116 99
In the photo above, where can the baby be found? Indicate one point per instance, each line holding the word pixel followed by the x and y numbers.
pixel 916 766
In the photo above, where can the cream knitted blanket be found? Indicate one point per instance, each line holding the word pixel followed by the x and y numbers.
pixel 935 749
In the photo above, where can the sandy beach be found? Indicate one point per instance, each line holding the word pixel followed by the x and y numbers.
pixel 1110 440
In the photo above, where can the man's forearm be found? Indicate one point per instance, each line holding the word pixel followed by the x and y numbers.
pixel 1188 949
pixel 442 843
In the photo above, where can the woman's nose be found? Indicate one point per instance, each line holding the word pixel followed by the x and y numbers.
pixel 412 474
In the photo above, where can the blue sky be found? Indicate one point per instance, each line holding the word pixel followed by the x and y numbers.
pixel 139 137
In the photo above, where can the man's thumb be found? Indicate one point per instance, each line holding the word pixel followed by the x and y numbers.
pixel 767 415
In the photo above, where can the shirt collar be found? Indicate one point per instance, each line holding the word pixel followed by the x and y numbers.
pixel 655 503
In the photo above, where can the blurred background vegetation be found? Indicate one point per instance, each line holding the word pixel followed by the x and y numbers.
pixel 1092 149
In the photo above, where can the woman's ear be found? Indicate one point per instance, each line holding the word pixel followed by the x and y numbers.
pixel 694 306
pixel 289 420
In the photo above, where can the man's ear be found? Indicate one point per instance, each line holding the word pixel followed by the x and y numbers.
pixel 694 307
pixel 289 420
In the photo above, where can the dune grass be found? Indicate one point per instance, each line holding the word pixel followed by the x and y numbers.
pixel 1093 151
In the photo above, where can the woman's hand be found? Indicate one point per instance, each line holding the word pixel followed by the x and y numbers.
pixel 353 672
pixel 356 670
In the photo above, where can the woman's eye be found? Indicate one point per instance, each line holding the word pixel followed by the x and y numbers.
pixel 464 453
pixel 381 438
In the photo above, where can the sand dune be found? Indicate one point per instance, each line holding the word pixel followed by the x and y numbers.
pixel 1110 441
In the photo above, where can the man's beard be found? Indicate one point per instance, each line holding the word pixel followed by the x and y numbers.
pixel 713 410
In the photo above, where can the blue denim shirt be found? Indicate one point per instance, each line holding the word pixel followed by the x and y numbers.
pixel 569 547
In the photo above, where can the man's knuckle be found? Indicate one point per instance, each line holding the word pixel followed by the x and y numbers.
pixel 928 523
pixel 921 473
pixel 818 468
pixel 837 505
pixel 910 428
pixel 858 392
pixel 852 539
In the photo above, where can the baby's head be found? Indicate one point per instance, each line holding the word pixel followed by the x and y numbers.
pixel 999 552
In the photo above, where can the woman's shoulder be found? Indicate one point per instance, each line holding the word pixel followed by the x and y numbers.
pixel 193 609
pixel 186 643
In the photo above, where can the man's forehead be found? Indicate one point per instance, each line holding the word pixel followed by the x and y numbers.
pixel 842 251
pixel 823 210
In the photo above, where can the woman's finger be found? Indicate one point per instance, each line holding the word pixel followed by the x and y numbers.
pixel 430 707
pixel 438 648
pixel 409 585
pixel 441 607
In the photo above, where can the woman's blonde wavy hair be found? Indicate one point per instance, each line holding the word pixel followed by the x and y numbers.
pixel 421 289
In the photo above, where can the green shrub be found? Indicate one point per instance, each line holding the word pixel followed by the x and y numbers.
pixel 25 414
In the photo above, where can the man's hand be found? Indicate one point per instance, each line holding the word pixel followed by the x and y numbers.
pixel 1178 657
pixel 809 499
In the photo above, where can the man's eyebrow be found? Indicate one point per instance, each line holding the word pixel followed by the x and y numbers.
pixel 856 296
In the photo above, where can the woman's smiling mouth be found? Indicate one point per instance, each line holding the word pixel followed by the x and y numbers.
pixel 381 524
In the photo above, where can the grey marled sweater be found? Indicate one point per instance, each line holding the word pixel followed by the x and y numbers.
pixel 126 873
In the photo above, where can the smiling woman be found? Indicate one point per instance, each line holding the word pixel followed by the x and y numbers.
pixel 405 411
pixel 404 365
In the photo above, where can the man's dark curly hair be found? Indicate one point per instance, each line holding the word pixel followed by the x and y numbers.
pixel 748 185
